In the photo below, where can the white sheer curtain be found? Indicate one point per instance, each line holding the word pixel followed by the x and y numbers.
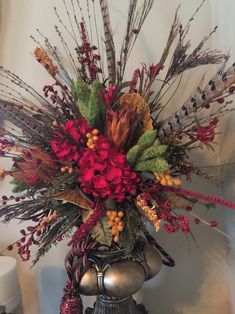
pixel 199 282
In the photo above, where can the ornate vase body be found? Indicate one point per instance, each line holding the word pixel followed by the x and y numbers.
pixel 114 277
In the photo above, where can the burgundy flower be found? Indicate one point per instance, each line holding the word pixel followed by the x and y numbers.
pixel 67 143
pixel 64 151
pixel 105 172
pixel 204 134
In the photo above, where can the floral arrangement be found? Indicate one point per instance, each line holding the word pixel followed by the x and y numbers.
pixel 92 156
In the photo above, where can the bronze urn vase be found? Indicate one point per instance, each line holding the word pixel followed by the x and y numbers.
pixel 115 275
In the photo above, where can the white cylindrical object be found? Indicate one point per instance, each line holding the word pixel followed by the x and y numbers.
pixel 10 296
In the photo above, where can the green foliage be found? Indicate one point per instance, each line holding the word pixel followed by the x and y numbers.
pixel 90 102
pixel 82 93
pixel 111 204
pixel 148 154
pixel 144 142
pixel 133 226
pixel 102 232
pixel 133 154
pixel 157 164
pixel 153 152
pixel 96 114
pixel 19 186
pixel 147 139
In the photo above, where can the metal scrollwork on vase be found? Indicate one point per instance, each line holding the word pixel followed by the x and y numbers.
pixel 114 276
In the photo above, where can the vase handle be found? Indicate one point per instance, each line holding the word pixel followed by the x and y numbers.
pixel 168 260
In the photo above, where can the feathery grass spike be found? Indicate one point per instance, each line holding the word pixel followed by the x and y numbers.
pixel 108 40
pixel 215 88
pixel 19 118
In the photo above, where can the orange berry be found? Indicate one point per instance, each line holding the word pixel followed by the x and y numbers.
pixel 89 135
pixel 177 181
pixel 109 213
pixel 95 132
pixel 55 123
pixel 158 177
pixel 110 223
pixel 114 214
pixel 169 182
pixel 89 141
pixel 70 170
pixel 167 177
pixel 120 214
pixel 119 228
pixel 114 230
pixel 116 238
pixel 117 219
pixel 163 182
pixel 92 146
pixel 95 138
pixel 120 223
pixel 63 169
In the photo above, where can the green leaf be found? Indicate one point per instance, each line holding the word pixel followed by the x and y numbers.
pixel 210 206
pixel 153 152
pixel 111 204
pixel 102 232
pixel 133 154
pixel 19 186
pixel 96 113
pixel 147 139
pixel 158 165
pixel 82 93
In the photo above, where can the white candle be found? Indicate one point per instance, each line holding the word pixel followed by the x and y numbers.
pixel 10 296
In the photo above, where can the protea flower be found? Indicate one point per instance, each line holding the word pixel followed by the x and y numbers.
pixel 122 127
pixel 33 166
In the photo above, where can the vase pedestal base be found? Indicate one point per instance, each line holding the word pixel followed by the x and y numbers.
pixel 106 305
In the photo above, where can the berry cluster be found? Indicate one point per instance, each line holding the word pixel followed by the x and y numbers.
pixel 115 222
pixel 166 179
pixel 92 138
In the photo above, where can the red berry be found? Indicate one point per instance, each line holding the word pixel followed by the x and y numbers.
pixel 231 89
pixel 10 247
pixel 220 100
pixel 214 223
pixel 197 221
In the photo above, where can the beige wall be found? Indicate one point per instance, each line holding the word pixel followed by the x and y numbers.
pixel 199 282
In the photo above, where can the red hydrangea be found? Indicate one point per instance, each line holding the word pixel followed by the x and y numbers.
pixel 68 141
pixel 105 172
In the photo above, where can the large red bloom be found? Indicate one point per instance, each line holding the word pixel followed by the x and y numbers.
pixel 105 172
pixel 69 140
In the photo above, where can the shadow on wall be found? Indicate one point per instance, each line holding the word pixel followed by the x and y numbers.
pixel 51 281
pixel 206 295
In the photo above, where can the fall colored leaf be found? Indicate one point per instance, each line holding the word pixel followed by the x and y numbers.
pixel 177 201
pixel 75 197
pixel 101 231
